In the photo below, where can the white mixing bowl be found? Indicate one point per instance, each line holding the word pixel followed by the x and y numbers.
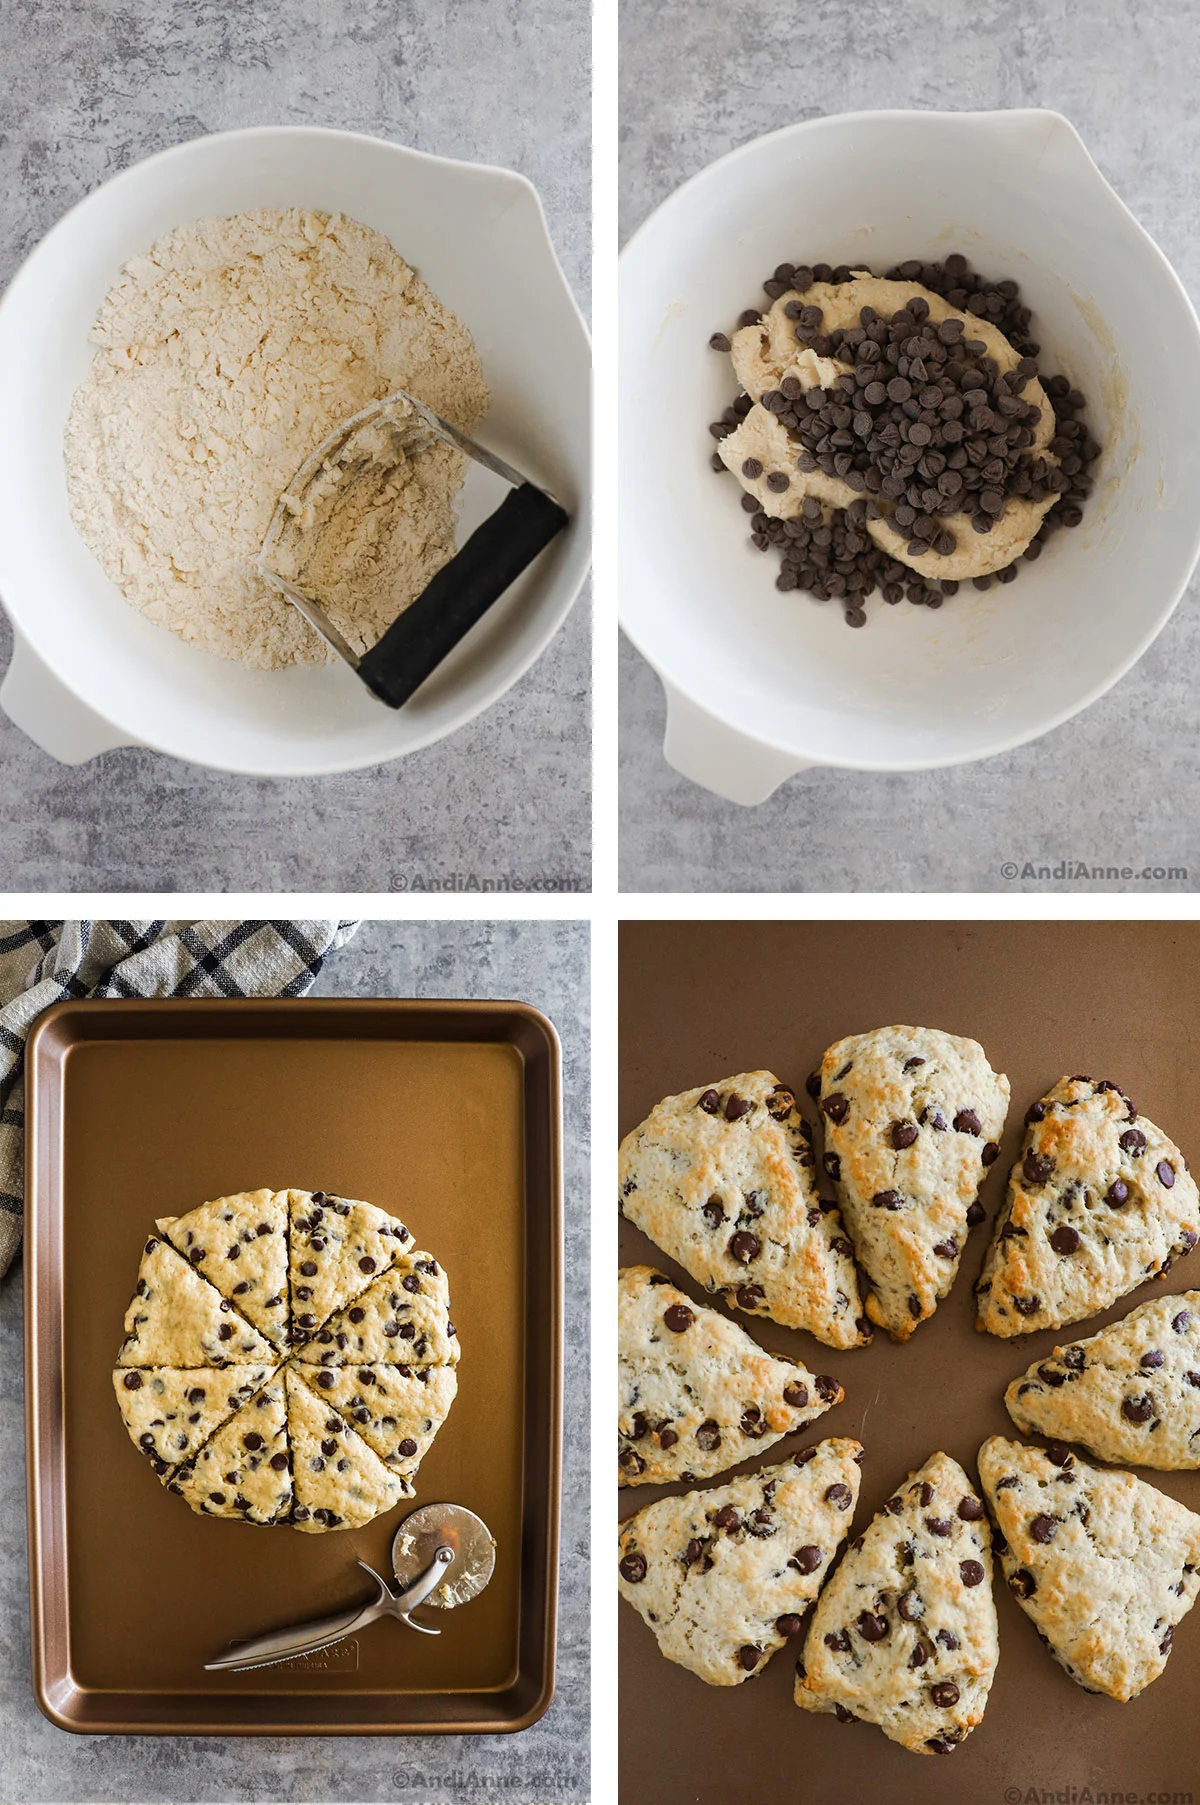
pixel 88 671
pixel 761 683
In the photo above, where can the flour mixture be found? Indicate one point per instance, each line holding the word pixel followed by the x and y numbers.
pixel 225 355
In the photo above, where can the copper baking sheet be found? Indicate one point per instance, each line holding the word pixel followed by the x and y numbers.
pixel 448 1115
pixel 700 1001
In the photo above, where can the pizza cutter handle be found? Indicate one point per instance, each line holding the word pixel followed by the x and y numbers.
pixel 461 593
pixel 304 1638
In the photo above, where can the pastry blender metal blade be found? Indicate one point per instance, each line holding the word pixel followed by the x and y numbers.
pixel 400 427
pixel 442 1555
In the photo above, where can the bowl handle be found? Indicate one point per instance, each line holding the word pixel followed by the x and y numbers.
pixel 721 759
pixel 55 719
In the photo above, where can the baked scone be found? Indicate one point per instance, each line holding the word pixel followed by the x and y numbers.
pixel 1103 1564
pixel 402 1318
pixel 340 1483
pixel 176 1318
pixel 722 1178
pixel 396 1409
pixel 244 1471
pixel 912 1119
pixel 722 1576
pixel 336 1247
pixel 1130 1394
pixel 170 1412
pixel 1099 1200
pixel 240 1245
pixel 904 1635
pixel 695 1394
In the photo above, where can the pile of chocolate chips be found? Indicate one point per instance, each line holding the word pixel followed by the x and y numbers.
pixel 924 423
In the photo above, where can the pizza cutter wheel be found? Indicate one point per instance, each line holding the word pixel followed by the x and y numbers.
pixel 442 1554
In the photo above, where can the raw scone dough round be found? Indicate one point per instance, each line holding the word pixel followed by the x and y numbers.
pixel 764 354
pixel 245 1422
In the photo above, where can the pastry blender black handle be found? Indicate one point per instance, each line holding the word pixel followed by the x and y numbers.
pixel 460 594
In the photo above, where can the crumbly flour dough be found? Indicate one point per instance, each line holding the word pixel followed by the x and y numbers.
pixel 224 356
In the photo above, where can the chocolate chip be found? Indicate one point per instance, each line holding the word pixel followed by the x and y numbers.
pixel 838 1641
pixel 795 1393
pixel 736 1107
pixel 1138 1410
pixel 971 1572
pixel 633 1568
pixel 366 1264
pixel 938 1526
pixel 967 1122
pixel 132 1381
pixel 1153 1357
pixel 975 1215
pixel 1117 1193
pixel 789 1624
pixel 911 1607
pixel 1037 1168
pixel 836 1107
pixel 828 1388
pixel 708 1436
pixel 1042 1528
pixel 709 1102
pixel 667 1437
pixel 807 1559
pixel 1133 1142
pixel 1180 1323
pixel 888 1200
pixel 309 1268
pixel 1028 1306
pixel 714 1212
pixel 1022 1583
pixel 839 1495
pixel 1065 1239
pixel 1166 1173
pixel 750 1296
pixel 727 1518
pixel 679 1317
pixel 744 1246
pixel 872 1627
pixel 947 1250
pixel 719 342
pixel 903 1134
pixel 991 1152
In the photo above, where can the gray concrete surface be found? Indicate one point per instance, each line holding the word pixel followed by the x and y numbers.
pixel 1120 785
pixel 544 963
pixel 90 86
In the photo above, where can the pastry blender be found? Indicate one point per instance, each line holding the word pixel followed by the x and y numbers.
pixel 397 428
pixel 442 1555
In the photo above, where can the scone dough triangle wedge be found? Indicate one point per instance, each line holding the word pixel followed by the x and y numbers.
pixel 170 1412
pixel 176 1318
pixel 1104 1565
pixel 340 1482
pixel 722 1178
pixel 337 1246
pixel 904 1635
pixel 723 1576
pixel 1099 1200
pixel 240 1245
pixel 912 1119
pixel 244 1471
pixel 696 1394
pixel 402 1317
pixel 1130 1394
pixel 396 1409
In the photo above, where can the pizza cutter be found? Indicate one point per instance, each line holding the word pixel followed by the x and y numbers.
pixel 380 437
pixel 442 1554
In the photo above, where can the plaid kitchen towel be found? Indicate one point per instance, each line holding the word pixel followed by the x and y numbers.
pixel 45 962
